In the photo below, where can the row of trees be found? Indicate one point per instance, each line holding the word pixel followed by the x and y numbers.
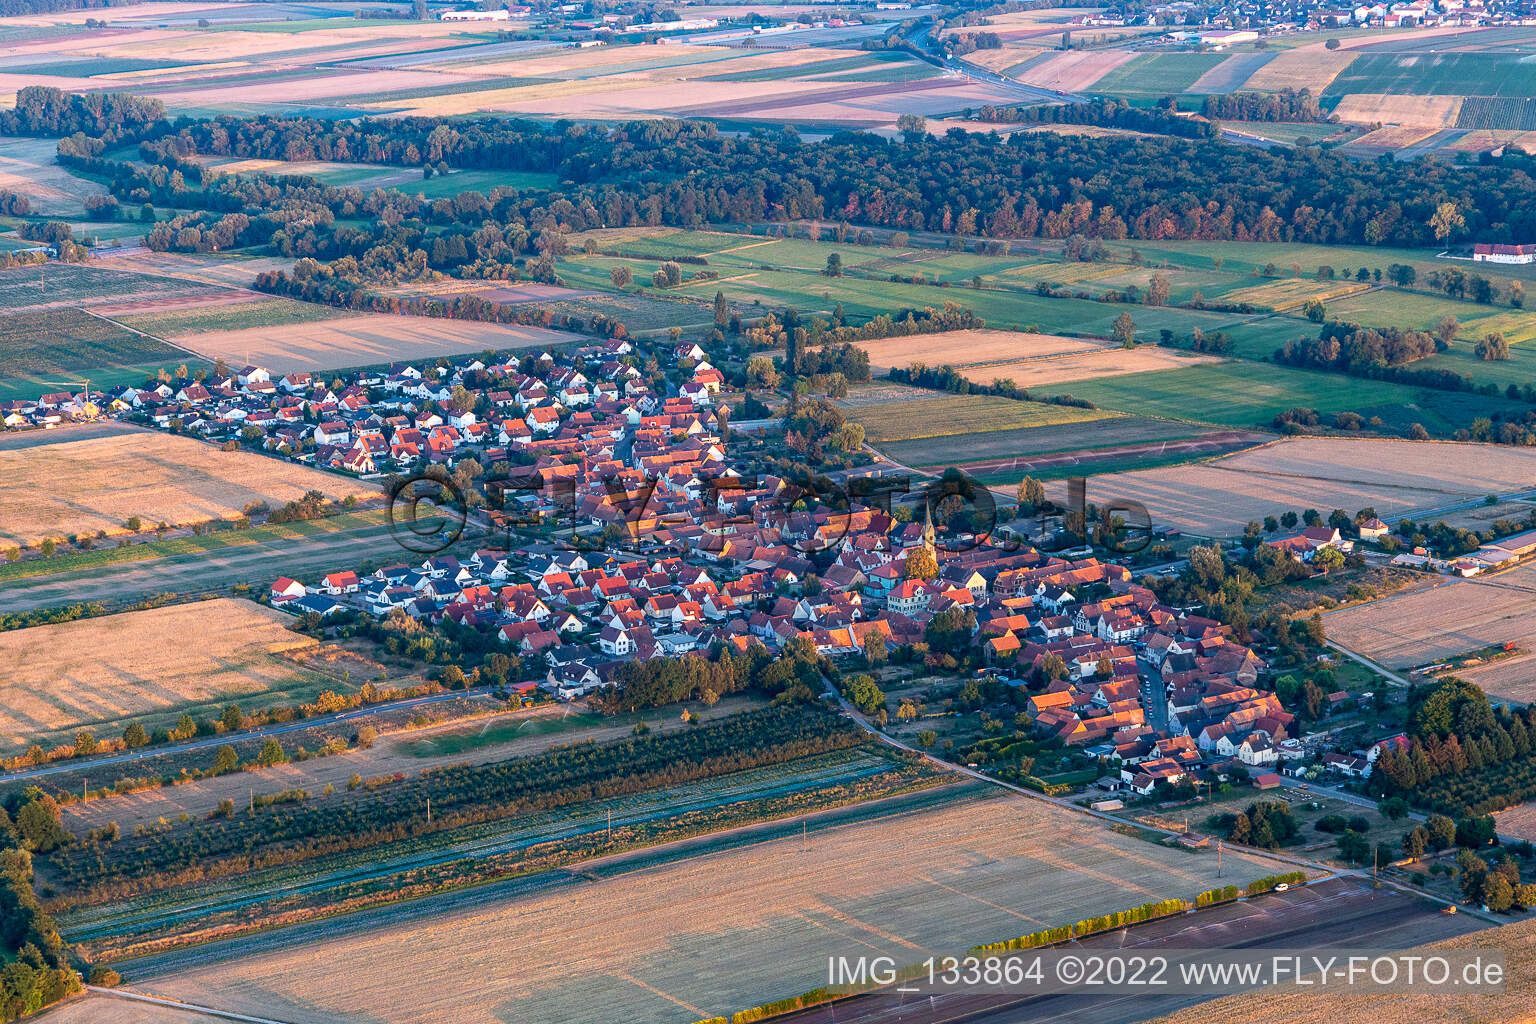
pixel 36 971
pixel 460 795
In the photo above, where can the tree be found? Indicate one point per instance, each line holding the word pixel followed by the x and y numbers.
pixel 225 760
pixel 135 736
pixel 1498 894
pixel 722 311
pixel 40 825
pixel 1031 493
pixel 761 373
pixel 232 718
pixel 271 753
pixel 912 126
pixel 874 648
pixel 1332 44
pixel 921 565
pixel 1415 842
pixel 834 267
pixel 863 693
pixel 1328 559
pixel 1442 831
pixel 621 276
pixel 1354 848
pixel 1158 291
pixel 1446 330
pixel 1447 221
pixel 1493 348
pixel 1124 331
pixel 85 742
pixel 1314 310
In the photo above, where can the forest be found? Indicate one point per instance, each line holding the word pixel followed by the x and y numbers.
pixel 966 183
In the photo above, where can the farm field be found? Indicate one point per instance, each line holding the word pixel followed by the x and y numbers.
pixel 106 671
pixel 98 483
pixel 1449 618
pixel 1309 67
pixel 990 453
pixel 494 738
pixel 712 934
pixel 1241 395
pixel 968 348
pixel 1158 74
pixel 1074 70
pixel 364 340
pixel 28 167
pixel 1100 362
pixel 1395 477
pixel 943 415
pixel 252 311
pixel 1448 74
pixel 1406 110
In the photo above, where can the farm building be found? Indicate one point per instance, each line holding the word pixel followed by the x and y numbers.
pixel 1482 252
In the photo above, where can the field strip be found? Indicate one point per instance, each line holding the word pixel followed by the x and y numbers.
pixel 720 280
pixel 739 248
pixel 142 334
pixel 143 997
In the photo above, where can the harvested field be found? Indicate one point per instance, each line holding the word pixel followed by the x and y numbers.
pixel 1395 477
pixel 1512 679
pixel 945 415
pixel 1434 112
pixel 29 167
pixel 105 671
pixel 93 1007
pixel 1392 138
pixel 1073 70
pixel 715 933
pixel 1306 67
pixel 98 483
pixel 1101 362
pixel 365 341
pixel 967 348
pixel 1230 74
pixel 1001 60
pixel 1442 620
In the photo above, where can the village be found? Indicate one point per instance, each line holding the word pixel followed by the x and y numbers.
pixel 626 529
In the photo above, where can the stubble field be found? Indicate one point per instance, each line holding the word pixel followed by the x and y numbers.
pixel 104 671
pixel 99 483
pixel 1447 618
pixel 715 933
pixel 968 348
pixel 1395 477
pixel 364 341
pixel 1097 362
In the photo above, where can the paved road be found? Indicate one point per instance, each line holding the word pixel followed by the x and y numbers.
pixel 1388 674
pixel 1337 913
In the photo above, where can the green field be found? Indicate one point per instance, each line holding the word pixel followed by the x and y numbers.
pixel 1437 74
pixel 274 312
pixel 1023 442
pixel 26 288
pixel 1503 112
pixel 944 414
pixel 50 342
pixel 1244 394
pixel 1157 74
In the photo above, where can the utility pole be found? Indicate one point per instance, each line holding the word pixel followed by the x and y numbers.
pixel 253 801
pixel 804 843
pixel 429 810
pixel 1218 858
pixel 610 823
